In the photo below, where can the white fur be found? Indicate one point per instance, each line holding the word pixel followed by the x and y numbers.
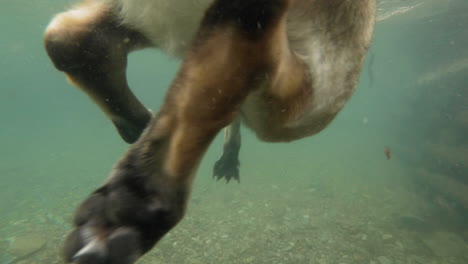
pixel 328 63
pixel 170 24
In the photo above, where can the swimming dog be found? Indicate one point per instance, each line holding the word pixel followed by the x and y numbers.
pixel 283 68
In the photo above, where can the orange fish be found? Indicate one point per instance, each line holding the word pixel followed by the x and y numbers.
pixel 388 153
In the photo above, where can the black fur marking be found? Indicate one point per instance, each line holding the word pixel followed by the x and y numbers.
pixel 252 17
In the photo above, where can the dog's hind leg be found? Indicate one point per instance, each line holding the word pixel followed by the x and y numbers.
pixel 227 166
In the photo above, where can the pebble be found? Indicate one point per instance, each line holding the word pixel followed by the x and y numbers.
pixel 400 245
pixel 416 259
pixel 290 246
pixel 387 237
pixel 322 261
pixel 445 244
pixel 384 260
pixel 250 259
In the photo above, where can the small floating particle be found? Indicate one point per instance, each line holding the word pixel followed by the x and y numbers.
pixel 388 152
pixel 365 120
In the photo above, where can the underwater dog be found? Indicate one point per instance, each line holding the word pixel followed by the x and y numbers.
pixel 283 68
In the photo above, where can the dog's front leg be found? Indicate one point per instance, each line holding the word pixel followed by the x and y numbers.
pixel 147 191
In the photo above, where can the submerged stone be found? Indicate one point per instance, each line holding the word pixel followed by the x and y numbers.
pixel 413 223
pixel 445 244
pixel 26 244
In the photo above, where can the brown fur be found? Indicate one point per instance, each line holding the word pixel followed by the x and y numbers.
pixel 254 67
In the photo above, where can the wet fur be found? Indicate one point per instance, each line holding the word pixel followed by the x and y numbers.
pixel 284 68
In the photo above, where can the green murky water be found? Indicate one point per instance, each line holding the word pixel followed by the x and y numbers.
pixel 331 198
